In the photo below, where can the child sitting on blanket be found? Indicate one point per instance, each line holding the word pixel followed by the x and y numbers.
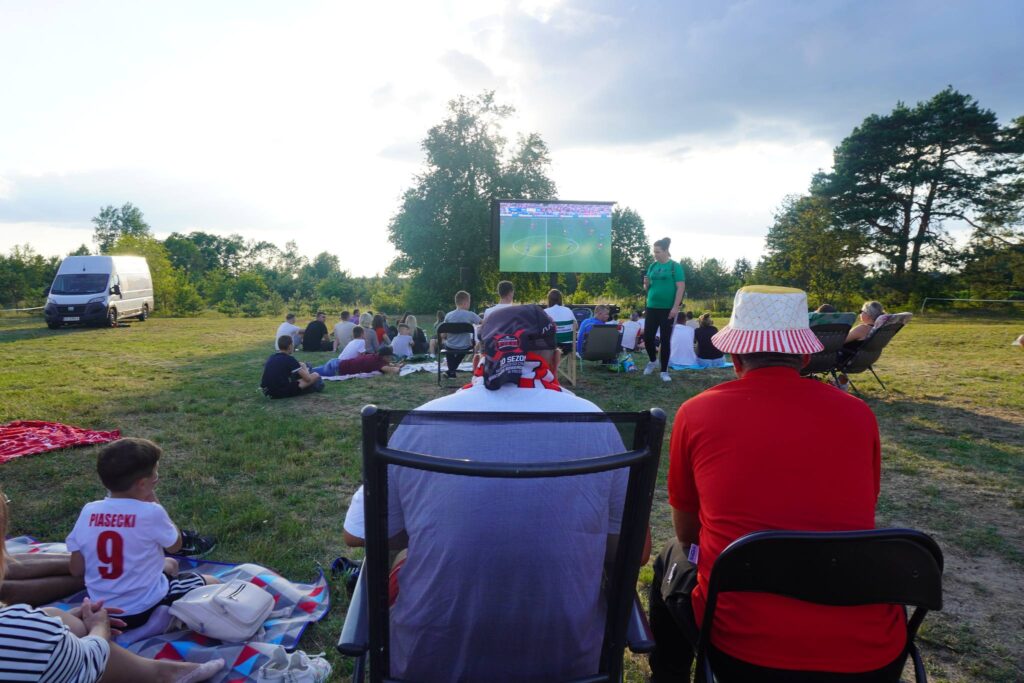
pixel 402 344
pixel 118 543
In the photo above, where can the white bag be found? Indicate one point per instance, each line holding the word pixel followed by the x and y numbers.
pixel 232 611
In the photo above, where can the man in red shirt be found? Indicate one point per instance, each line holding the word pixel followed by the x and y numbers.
pixel 770 450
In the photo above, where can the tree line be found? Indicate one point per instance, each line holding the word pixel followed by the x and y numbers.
pixel 874 226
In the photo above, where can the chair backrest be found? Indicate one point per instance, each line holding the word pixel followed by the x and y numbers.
pixel 454 328
pixel 563 331
pixel 642 461
pixel 814 318
pixel 582 312
pixel 832 336
pixel 602 342
pixel 843 568
pixel 870 350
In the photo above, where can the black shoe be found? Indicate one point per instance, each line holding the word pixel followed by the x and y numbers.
pixel 349 569
pixel 450 374
pixel 194 545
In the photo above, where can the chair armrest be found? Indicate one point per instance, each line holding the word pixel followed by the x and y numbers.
pixel 355 633
pixel 639 637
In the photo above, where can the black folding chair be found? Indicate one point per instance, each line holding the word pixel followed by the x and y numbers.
pixel 832 336
pixel 443 350
pixel 602 344
pixel 366 632
pixel 870 350
pixel 842 568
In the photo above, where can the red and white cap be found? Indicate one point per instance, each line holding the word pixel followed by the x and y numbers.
pixel 768 320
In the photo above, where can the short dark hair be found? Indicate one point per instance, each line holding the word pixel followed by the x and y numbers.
pixel 554 298
pixel 290 316
pixel 320 313
pixel 752 361
pixel 505 288
pixel 284 342
pixel 680 318
pixel 826 308
pixel 689 315
pixel 124 462
pixel 461 297
pixel 357 332
pixel 345 315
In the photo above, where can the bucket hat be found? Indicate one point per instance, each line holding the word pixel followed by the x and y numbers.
pixel 768 320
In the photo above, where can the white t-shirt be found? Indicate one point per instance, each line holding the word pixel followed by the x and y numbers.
pixel 355 516
pixel 497 307
pixel 123 541
pixel 353 349
pixel 402 345
pixel 682 346
pixel 290 329
pixel 560 314
pixel 630 330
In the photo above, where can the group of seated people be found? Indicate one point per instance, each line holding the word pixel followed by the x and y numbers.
pixel 549 540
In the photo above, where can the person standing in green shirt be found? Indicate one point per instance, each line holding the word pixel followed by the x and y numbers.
pixel 665 283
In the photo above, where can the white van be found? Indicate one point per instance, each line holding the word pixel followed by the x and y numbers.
pixel 100 290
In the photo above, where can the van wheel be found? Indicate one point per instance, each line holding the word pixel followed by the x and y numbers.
pixel 144 314
pixel 112 317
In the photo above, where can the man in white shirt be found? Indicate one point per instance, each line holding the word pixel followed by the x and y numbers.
pixel 343 331
pixel 506 292
pixel 565 321
pixel 631 331
pixel 291 329
pixel 354 347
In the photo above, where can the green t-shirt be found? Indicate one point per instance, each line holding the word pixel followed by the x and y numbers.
pixel 663 276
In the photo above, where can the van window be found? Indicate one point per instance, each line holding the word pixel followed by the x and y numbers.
pixel 80 283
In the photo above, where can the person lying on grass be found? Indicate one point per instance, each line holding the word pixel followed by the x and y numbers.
pixel 118 543
pixel 359 365
pixel 75 647
pixel 284 376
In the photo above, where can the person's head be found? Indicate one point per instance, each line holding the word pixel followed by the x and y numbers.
pixel 681 318
pixel 634 316
pixel 357 332
pixel 284 343
pixel 506 291
pixel 439 317
pixel 870 311
pixel 403 329
pixel 129 467
pixel 826 308
pixel 768 327
pixel 406 316
pixel 554 297
pixel 355 313
pixel 508 335
pixel 705 320
pixel 601 312
pixel 385 351
pixel 321 316
pixel 345 315
pixel 689 315
pixel 365 320
pixel 461 299
pixel 411 323
pixel 290 318
pixel 379 322
pixel 661 252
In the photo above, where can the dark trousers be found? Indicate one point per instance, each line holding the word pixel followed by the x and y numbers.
pixel 454 357
pixel 659 318
pixel 676 634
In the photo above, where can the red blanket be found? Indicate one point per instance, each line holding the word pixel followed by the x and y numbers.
pixel 26 437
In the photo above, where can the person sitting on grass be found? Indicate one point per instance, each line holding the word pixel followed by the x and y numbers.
pixel 690 322
pixel 118 543
pixel 361 364
pixel 290 328
pixel 420 345
pixel 355 347
pixel 315 338
pixel 284 376
pixel 343 331
pixel 402 344
pixel 380 328
pixel 55 646
pixel 708 356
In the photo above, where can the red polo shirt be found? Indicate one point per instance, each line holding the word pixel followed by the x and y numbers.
pixel 776 451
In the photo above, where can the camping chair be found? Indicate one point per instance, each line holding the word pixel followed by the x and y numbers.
pixel 842 568
pixel 366 632
pixel 442 350
pixel 565 337
pixel 831 330
pixel 869 351
pixel 602 343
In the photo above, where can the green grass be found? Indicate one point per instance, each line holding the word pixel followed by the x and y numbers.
pixel 271 479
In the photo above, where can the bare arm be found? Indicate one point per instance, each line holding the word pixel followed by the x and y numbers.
pixel 687 526
pixel 76 565
pixel 176 546
pixel 858 333
pixel 680 290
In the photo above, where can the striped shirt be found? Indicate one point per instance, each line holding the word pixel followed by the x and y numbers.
pixel 36 647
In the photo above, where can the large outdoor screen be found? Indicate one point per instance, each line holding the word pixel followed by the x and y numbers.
pixel 553 236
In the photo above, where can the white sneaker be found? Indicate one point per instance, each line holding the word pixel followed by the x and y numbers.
pixel 665 377
pixel 298 667
pixel 651 367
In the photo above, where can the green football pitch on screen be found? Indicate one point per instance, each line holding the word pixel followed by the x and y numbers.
pixel 557 244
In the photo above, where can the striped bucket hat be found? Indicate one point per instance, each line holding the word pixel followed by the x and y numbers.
pixel 768 320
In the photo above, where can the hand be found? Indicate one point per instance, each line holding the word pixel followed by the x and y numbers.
pixel 673 313
pixel 647 282
pixel 96 619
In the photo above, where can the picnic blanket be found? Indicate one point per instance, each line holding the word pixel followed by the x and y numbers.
pixel 296 606
pixel 28 437
pixel 358 375
pixel 673 366
pixel 430 366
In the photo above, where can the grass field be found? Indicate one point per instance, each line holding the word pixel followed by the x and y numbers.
pixel 555 245
pixel 271 479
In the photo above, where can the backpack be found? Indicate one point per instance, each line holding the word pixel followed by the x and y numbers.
pixel 232 612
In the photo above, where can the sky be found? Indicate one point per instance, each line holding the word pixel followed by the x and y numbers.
pixel 303 120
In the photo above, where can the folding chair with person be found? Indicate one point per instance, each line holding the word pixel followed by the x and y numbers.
pixel 831 330
pixel 869 351
pixel 842 569
pixel 601 344
pixel 444 350
pixel 367 634
pixel 565 335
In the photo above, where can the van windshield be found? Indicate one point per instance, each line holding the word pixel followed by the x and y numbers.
pixel 80 283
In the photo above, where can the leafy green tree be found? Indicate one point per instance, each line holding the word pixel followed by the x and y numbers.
pixel 113 223
pixel 24 276
pixel 442 227
pixel 165 277
pixel 83 250
pixel 741 272
pixel 897 178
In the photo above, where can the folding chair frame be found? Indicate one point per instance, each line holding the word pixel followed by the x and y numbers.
pixel 439 347
pixel 366 632
pixel 604 329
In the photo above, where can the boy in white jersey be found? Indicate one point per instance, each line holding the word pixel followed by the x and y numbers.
pixel 118 543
